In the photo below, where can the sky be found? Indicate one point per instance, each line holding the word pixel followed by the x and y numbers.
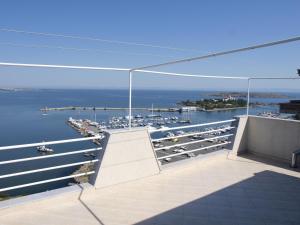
pixel 199 27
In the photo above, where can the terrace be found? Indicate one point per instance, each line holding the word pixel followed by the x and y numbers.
pixel 251 184
pixel 235 171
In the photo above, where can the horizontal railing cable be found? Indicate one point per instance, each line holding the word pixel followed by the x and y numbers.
pixel 45 181
pixel 221 53
pixel 190 134
pixel 48 143
pixel 49 156
pixel 192 75
pixel 193 142
pixel 47 169
pixel 193 150
pixel 61 66
pixel 191 126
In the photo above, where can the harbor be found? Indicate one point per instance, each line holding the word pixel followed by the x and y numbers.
pixel 165 144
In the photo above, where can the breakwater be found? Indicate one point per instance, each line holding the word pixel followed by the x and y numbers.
pixel 109 108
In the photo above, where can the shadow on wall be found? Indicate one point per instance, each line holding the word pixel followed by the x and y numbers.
pixel 266 198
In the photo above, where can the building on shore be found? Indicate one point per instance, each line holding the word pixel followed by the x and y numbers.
pixel 188 108
pixel 291 107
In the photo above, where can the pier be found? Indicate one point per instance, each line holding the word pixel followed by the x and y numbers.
pixel 109 108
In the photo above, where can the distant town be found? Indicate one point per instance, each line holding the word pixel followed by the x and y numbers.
pixel 252 95
pixel 227 102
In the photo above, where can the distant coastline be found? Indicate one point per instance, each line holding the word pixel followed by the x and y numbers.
pixel 252 95
pixel 11 89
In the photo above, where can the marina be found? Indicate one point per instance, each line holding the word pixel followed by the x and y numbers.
pixel 24 107
pixel 187 143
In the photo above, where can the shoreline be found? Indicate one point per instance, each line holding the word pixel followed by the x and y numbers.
pixel 223 109
pixel 138 108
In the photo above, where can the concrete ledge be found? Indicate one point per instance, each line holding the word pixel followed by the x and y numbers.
pixel 71 192
pixel 128 155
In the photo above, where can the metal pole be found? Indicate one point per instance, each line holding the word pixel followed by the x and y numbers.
pixel 130 96
pixel 248 97
pixel 215 54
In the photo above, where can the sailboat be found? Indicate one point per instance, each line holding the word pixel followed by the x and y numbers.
pixel 152 115
pixel 45 111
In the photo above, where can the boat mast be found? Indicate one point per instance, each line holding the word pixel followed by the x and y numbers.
pixel 152 109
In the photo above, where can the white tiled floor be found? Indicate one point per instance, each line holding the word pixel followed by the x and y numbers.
pixel 212 191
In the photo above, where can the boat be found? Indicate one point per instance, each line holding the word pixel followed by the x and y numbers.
pixel 167 159
pixel 87 154
pixel 44 149
pixel 152 115
pixel 170 134
pixel 184 121
pixel 138 116
pixel 95 124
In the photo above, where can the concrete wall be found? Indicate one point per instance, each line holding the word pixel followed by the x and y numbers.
pixel 128 155
pixel 270 137
pixel 240 140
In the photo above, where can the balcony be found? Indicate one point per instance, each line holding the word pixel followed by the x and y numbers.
pixel 250 184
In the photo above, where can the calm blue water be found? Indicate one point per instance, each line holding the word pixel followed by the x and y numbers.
pixel 22 122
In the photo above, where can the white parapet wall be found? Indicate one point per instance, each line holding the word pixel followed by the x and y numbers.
pixel 127 155
pixel 269 137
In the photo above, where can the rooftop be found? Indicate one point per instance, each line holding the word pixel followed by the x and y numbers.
pixel 217 189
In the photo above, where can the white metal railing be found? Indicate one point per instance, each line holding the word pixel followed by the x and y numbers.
pixel 191 126
pixel 47 169
pixel 191 134
pixel 4 148
pixel 50 156
pixel 162 149
pixel 46 181
pixel 48 143
pixel 193 150
pixel 194 142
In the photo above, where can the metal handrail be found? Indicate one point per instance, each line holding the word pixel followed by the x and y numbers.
pixel 49 156
pixel 191 126
pixel 48 143
pixel 194 150
pixel 46 181
pixel 193 142
pixel 189 134
pixel 47 169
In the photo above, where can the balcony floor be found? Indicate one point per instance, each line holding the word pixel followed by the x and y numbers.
pixel 215 190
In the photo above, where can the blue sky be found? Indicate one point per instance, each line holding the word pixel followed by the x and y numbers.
pixel 203 26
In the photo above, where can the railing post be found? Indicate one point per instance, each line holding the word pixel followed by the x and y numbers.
pixel 130 96
pixel 248 97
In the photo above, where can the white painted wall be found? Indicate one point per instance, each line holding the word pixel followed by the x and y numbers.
pixel 271 137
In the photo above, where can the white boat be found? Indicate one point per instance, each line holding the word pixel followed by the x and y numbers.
pixel 170 134
pixel 44 149
pixel 87 154
pixel 94 124
pixel 180 132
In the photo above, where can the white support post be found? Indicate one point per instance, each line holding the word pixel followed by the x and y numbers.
pixel 248 97
pixel 130 96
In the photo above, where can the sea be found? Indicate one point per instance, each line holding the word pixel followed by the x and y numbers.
pixel 23 122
